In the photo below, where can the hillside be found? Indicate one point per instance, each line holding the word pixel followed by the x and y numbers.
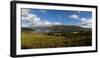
pixel 57 28
pixel 55 36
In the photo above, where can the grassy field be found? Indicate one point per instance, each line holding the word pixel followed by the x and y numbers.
pixel 32 40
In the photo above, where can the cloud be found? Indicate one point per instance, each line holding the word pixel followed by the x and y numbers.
pixel 57 23
pixel 47 23
pixel 74 16
pixel 86 22
pixel 26 23
pixel 43 11
pixel 25 12
pixel 32 20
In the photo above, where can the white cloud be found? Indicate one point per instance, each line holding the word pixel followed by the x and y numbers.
pixel 47 23
pixel 57 23
pixel 86 23
pixel 34 20
pixel 43 11
pixel 74 16
pixel 25 12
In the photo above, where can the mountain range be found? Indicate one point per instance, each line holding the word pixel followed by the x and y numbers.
pixel 57 28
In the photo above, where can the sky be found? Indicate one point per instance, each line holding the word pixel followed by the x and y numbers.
pixel 46 17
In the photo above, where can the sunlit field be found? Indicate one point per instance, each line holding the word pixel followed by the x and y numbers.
pixel 32 40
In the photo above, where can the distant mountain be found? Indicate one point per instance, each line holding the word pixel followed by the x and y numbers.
pixel 26 29
pixel 58 28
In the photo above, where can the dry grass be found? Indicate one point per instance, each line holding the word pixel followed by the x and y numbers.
pixel 39 40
